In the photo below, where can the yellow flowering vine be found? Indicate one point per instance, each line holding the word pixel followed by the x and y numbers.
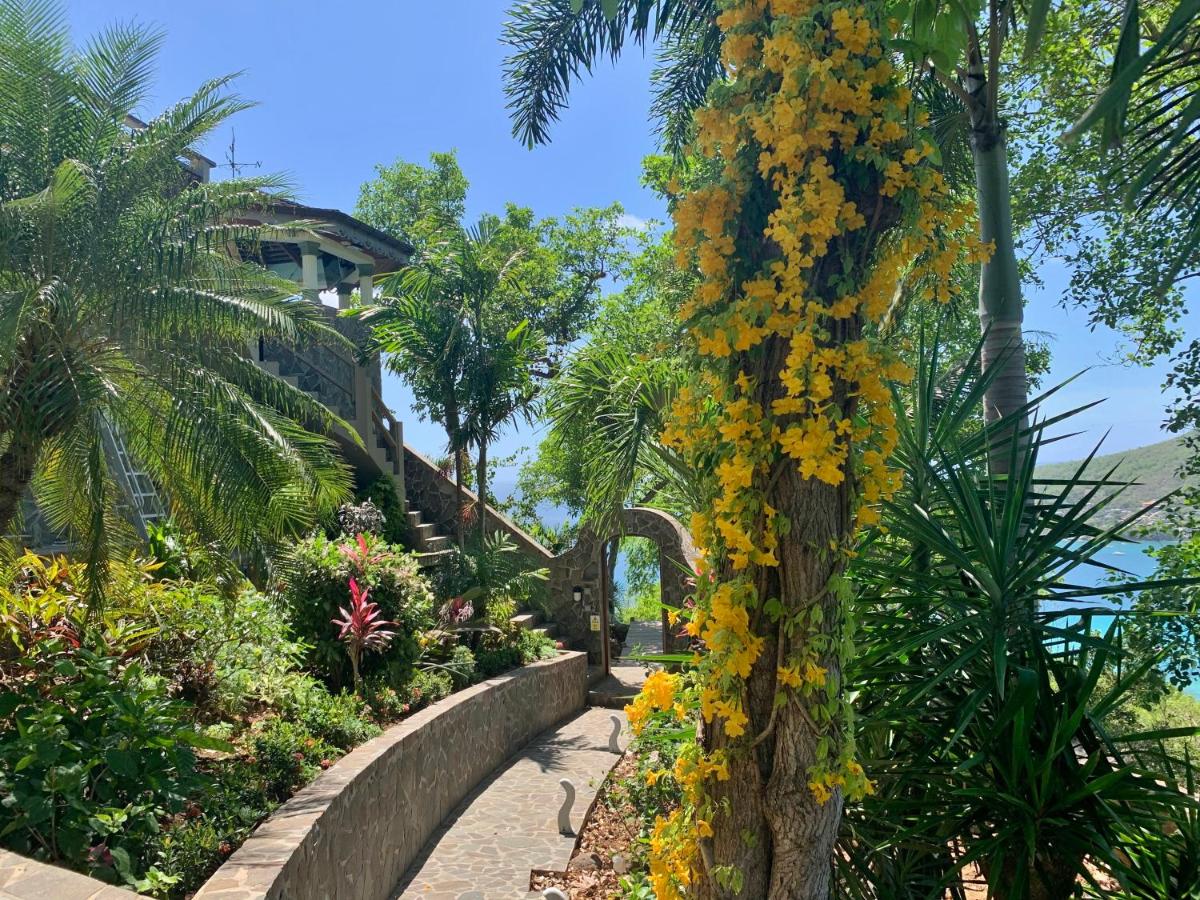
pixel 827 199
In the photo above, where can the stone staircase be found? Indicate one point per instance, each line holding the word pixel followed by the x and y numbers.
pixel 532 620
pixel 431 545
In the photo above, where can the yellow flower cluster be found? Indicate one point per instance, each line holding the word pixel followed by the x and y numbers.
pixel 658 693
pixel 814 110
pixel 675 839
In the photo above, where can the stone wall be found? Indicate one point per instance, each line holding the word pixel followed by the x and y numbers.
pixel 580 567
pixel 433 494
pixel 25 879
pixel 354 831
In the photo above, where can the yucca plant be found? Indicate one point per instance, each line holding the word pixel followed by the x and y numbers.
pixel 122 311
pixel 979 678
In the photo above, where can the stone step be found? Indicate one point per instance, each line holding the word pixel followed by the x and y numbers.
pixel 549 630
pixel 414 518
pixel 424 533
pixel 438 544
pixel 435 558
pixel 527 619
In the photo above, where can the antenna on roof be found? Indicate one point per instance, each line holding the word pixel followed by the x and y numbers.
pixel 231 161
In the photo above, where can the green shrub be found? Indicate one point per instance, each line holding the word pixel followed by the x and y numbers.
pixel 93 756
pixel 426 687
pixel 316 580
pixel 223 656
pixel 491 661
pixel 533 645
pixel 382 493
pixel 461 666
pixel 337 719
pixel 492 572
pixel 288 757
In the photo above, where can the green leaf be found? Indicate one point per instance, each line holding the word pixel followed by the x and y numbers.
pixel 611 8
pixel 122 762
pixel 204 741
pixel 8 704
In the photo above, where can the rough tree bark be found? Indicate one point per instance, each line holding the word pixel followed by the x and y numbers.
pixel 771 827
pixel 16 472
pixel 481 487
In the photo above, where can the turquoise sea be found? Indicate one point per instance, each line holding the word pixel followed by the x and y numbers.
pixel 1134 559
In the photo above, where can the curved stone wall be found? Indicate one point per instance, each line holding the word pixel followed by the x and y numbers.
pixel 22 878
pixel 354 831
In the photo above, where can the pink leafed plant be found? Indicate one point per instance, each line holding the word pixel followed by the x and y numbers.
pixel 457 610
pixel 360 556
pixel 362 628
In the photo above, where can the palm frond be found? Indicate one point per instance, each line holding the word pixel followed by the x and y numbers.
pixel 554 43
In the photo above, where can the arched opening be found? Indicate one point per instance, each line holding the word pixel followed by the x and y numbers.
pixel 637 596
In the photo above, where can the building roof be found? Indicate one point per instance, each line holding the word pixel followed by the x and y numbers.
pixel 389 253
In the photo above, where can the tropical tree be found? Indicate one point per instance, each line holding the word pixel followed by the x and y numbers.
pixel 800 235
pixel 419 204
pixel 960 45
pixel 486 314
pixel 123 317
pixel 447 336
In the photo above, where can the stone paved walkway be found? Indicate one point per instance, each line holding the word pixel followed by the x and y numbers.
pixel 643 637
pixel 509 824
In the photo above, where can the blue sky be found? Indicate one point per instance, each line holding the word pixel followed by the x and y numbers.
pixel 344 86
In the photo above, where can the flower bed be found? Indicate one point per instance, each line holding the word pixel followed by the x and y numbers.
pixel 141 741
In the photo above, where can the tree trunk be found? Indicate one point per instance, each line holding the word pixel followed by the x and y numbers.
pixel 1001 309
pixel 771 827
pixel 454 439
pixel 481 487
pixel 460 498
pixel 16 471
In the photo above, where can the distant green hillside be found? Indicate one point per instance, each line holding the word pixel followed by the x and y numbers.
pixel 1154 468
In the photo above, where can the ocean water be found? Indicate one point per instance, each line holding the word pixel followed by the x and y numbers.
pixel 1134 559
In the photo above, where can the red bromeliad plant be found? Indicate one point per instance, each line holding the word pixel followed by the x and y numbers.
pixel 362 628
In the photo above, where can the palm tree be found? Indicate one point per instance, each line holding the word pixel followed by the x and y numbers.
pixel 417 325
pixel 1150 109
pixel 122 311
pixel 554 43
pixel 445 333
pixel 615 402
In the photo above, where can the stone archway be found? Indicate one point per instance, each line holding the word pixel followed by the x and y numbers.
pixel 579 567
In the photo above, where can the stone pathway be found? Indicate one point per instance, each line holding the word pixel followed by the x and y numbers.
pixel 509 824
pixel 643 637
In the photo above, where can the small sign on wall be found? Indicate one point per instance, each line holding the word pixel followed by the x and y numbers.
pixel 595 623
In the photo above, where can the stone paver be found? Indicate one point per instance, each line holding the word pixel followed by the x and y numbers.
pixel 643 638
pixel 509 825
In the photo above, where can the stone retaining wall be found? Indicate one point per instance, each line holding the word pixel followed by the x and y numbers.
pixel 354 831
pixel 22 878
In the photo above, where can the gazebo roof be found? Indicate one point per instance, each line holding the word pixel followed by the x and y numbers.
pixel 388 252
